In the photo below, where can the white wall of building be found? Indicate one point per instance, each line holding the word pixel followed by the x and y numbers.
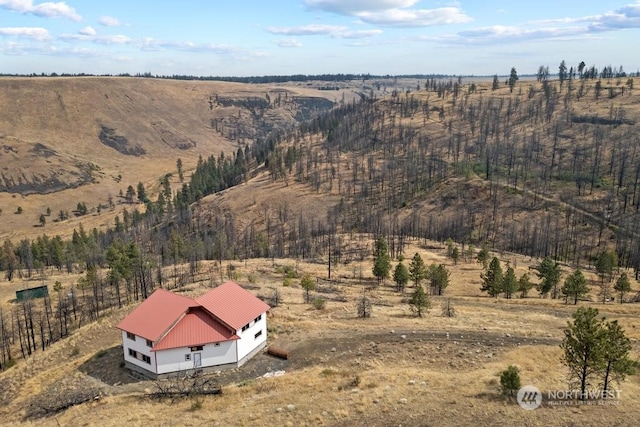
pixel 248 341
pixel 140 346
pixel 173 360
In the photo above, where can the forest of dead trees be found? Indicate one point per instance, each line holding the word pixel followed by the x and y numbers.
pixel 551 169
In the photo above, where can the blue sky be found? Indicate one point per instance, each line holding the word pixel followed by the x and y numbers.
pixel 262 37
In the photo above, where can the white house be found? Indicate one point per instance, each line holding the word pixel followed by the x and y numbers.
pixel 169 332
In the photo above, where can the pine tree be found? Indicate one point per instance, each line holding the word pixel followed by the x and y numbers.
pixel 417 269
pixel 401 277
pixel 438 277
pixel 483 257
pixel 510 380
pixel 575 286
pixel 419 301
pixel 549 273
pixel 492 278
pixel 513 78
pixel 616 355
pixel 524 285
pixel 509 283
pixel 583 349
pixel 622 285
pixel 382 260
pixel 308 285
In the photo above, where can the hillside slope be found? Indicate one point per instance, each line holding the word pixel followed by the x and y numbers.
pixel 546 170
pixel 86 139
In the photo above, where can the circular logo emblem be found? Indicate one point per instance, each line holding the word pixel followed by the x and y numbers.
pixel 529 397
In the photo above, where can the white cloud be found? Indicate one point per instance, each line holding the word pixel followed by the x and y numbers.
pixel 336 31
pixel 288 43
pixel 360 34
pixel 415 17
pixel 625 17
pixel 87 31
pixel 568 28
pixel 352 7
pixel 46 9
pixel 307 30
pixel 110 21
pixel 34 33
pixel 392 13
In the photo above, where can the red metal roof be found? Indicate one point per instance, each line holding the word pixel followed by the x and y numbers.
pixel 156 314
pixel 233 304
pixel 196 327
pixel 171 320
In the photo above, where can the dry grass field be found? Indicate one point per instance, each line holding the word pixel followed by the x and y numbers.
pixel 390 369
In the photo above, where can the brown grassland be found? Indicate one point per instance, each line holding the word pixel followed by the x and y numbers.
pixel 391 369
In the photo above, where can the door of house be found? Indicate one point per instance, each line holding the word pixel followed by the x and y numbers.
pixel 197 360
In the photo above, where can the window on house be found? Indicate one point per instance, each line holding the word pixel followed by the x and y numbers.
pixel 140 356
pixel 257 334
pixel 216 344
pixel 245 327
pixel 131 336
pixel 149 343
pixel 187 357
pixel 197 348
pixel 257 319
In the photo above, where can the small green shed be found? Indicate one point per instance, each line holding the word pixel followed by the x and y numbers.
pixel 30 293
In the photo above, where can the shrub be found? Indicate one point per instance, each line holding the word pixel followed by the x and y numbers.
pixel 510 380
pixel 319 303
pixel 197 404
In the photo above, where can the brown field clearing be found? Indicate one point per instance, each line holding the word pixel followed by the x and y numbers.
pixel 390 369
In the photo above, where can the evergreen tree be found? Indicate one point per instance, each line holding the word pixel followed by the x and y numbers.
pixel 401 277
pixel 382 260
pixel 142 193
pixel 524 285
pixel 549 273
pixel 622 285
pixel 455 255
pixel 575 286
pixel 510 380
pixel 605 264
pixel 616 355
pixel 562 72
pixel 496 83
pixel 509 283
pixel 513 78
pixel 492 279
pixel 419 301
pixel 307 283
pixel 438 277
pixel 583 349
pixel 417 269
pixel 483 257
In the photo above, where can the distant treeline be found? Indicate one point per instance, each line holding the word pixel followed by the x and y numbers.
pixel 249 79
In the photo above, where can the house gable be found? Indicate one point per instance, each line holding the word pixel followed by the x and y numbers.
pixel 152 318
pixel 233 304
pixel 196 327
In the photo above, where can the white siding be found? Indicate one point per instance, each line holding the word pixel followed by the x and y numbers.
pixel 247 342
pixel 173 360
pixel 139 345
